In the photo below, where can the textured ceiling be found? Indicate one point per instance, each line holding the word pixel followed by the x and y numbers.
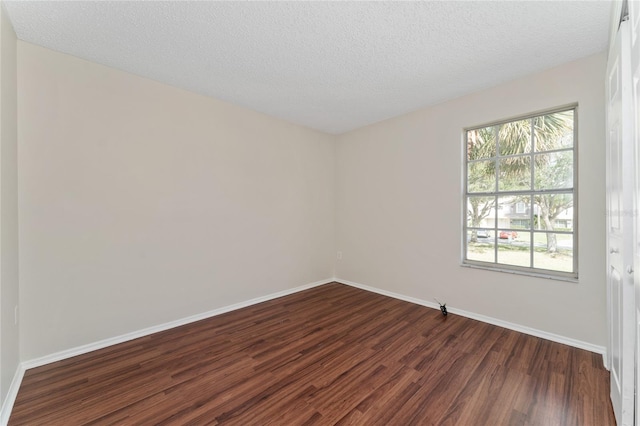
pixel 332 66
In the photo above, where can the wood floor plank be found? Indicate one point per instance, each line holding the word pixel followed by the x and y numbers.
pixel 330 355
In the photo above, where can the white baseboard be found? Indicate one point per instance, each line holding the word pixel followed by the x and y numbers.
pixel 489 320
pixel 605 361
pixel 10 399
pixel 79 350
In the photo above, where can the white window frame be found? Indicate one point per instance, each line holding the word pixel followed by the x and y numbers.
pixel 496 266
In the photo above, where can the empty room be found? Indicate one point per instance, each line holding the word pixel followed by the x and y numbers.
pixel 331 212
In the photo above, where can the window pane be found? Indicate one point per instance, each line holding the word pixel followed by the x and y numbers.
pixel 481 245
pixel 515 137
pixel 481 143
pixel 514 248
pixel 554 170
pixel 481 176
pixel 518 213
pixel 554 131
pixel 514 212
pixel 481 212
pixel 553 251
pixel 553 212
pixel 515 174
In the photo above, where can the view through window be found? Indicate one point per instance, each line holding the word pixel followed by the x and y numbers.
pixel 520 199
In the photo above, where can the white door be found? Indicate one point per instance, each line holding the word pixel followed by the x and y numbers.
pixel 634 19
pixel 620 223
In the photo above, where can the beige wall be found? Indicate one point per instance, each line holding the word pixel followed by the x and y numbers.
pixel 9 348
pixel 141 203
pixel 399 211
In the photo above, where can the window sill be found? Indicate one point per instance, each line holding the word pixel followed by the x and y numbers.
pixel 536 274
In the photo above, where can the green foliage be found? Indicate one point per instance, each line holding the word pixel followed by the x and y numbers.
pixel 481 143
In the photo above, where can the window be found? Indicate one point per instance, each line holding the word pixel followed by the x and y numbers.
pixel 520 195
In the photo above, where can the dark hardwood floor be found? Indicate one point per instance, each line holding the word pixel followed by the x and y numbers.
pixel 330 355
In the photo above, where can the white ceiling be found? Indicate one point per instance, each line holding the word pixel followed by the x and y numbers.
pixel 332 66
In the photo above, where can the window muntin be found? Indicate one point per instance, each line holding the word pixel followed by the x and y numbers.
pixel 520 195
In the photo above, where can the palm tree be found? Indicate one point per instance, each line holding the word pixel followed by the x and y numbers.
pixel 550 132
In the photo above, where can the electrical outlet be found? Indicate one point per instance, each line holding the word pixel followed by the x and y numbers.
pixel 15 315
pixel 339 255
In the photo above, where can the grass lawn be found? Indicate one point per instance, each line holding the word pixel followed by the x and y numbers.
pixel 520 255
